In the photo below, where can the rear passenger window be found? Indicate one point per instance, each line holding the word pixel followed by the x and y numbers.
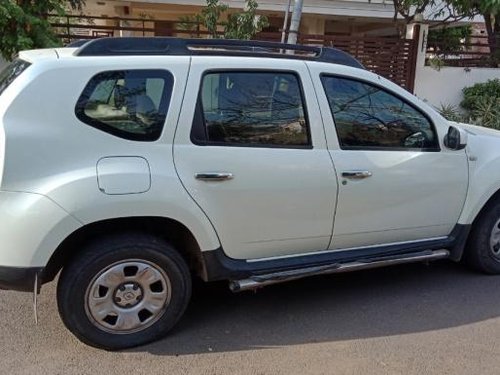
pixel 130 104
pixel 251 109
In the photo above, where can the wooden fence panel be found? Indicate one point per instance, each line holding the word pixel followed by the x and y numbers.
pixel 393 58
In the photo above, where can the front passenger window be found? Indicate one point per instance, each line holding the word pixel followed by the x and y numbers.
pixel 369 117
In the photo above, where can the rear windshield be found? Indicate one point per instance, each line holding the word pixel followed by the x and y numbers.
pixel 11 72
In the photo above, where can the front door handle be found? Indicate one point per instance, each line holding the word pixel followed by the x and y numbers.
pixel 214 176
pixel 356 175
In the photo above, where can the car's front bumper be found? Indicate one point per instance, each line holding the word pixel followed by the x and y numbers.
pixel 17 278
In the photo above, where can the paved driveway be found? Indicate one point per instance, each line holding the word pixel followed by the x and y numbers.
pixel 414 319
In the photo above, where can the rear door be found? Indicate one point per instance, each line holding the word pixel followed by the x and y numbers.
pixel 250 149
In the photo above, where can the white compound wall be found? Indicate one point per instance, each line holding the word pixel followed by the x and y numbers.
pixel 444 86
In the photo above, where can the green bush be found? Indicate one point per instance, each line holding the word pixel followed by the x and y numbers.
pixel 477 93
pixel 487 112
pixel 482 103
pixel 449 38
pixel 451 113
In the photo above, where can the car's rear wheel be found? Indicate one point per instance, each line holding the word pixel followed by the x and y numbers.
pixel 124 291
pixel 483 245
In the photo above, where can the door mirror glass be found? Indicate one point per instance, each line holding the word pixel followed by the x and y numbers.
pixel 455 139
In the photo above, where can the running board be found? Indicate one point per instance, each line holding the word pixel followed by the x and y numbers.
pixel 258 281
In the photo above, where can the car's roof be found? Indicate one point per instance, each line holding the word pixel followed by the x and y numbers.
pixel 168 46
pixel 160 47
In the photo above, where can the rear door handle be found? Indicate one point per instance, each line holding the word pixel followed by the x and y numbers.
pixel 214 176
pixel 356 175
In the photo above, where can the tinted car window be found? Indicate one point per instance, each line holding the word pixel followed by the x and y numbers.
pixel 11 72
pixel 253 108
pixel 130 104
pixel 369 117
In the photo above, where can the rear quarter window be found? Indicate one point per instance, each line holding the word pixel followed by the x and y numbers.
pixel 11 72
pixel 130 104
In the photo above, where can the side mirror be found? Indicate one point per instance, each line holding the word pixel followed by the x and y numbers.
pixel 455 139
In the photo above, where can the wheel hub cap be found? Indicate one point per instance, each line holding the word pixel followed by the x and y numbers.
pixel 495 239
pixel 128 296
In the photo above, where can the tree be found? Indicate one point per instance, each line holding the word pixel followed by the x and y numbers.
pixel 446 39
pixel 244 25
pixel 449 11
pixel 410 10
pixel 490 10
pixel 211 16
pixel 24 24
pixel 190 24
pixel 240 25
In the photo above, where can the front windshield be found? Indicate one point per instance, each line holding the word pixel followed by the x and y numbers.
pixel 11 72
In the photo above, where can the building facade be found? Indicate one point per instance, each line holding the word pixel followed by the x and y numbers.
pixel 320 17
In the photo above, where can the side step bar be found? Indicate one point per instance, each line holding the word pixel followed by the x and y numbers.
pixel 259 281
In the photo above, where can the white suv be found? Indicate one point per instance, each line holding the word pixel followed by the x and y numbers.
pixel 134 164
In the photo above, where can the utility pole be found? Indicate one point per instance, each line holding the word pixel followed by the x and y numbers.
pixel 295 22
pixel 285 22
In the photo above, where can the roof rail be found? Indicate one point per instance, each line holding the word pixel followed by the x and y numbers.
pixel 77 43
pixel 158 46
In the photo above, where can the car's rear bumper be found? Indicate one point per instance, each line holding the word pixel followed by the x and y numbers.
pixel 32 226
pixel 17 278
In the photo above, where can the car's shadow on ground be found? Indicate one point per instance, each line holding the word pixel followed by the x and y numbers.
pixel 383 302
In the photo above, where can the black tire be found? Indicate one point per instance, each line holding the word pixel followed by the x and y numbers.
pixel 479 254
pixel 77 285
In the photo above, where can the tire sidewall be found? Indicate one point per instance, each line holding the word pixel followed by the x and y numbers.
pixel 75 280
pixel 479 253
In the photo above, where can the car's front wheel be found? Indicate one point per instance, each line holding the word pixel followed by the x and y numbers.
pixel 483 245
pixel 124 291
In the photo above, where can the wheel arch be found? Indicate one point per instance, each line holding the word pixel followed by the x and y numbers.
pixel 476 206
pixel 173 231
pixel 463 243
pixel 494 197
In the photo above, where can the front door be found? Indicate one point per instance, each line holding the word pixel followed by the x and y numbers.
pixel 252 153
pixel 396 182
